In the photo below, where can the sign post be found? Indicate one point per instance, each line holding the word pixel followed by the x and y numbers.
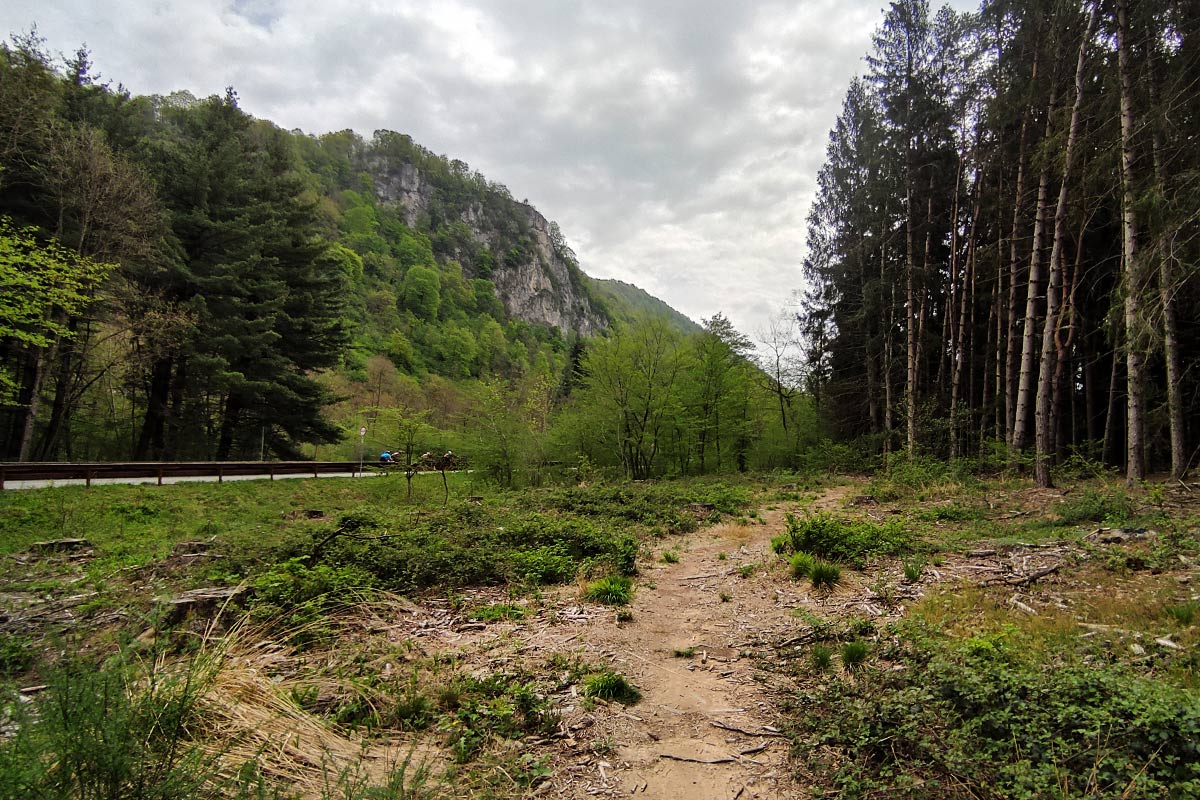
pixel 362 435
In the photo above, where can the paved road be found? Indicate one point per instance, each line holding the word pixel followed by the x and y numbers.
pixel 200 479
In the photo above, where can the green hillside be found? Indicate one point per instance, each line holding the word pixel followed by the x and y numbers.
pixel 626 303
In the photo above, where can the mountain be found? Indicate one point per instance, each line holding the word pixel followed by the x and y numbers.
pixel 626 302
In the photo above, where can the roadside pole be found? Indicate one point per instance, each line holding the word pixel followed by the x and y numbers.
pixel 362 437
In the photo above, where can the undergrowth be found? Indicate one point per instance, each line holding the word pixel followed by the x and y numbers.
pixel 981 719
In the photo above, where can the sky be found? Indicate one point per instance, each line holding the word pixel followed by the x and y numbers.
pixel 675 142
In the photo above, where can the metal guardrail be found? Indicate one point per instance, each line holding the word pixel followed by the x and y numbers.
pixel 31 471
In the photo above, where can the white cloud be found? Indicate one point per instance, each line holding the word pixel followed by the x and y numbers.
pixel 676 142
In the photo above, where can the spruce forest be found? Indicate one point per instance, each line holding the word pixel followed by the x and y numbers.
pixel 1003 250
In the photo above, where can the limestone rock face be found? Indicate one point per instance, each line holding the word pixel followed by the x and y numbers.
pixel 537 283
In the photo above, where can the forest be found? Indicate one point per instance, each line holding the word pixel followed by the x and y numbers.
pixel 188 282
pixel 1004 244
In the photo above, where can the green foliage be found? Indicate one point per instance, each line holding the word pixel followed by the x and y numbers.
pixel 975 719
pixel 497 612
pixel 802 564
pixel 475 710
pixel 824 575
pixel 1095 505
pixel 1183 613
pixel 44 284
pixel 611 590
pixel 842 540
pixel 670 556
pixel 821 657
pixel 16 654
pixel 108 732
pixel 609 685
pixel 913 569
pixel 854 653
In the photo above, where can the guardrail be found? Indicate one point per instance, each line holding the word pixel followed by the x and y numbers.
pixel 31 471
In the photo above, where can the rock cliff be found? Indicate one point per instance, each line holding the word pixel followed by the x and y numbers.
pixel 533 271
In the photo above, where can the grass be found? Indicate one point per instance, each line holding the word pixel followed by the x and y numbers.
pixel 611 590
pixel 608 685
pixel 497 612
pixel 821 657
pixel 825 575
pixel 802 564
pixel 854 654
pixel 670 556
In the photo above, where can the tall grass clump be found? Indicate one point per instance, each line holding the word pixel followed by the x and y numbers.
pixel 802 564
pixel 824 575
pixel 611 590
pixel 609 685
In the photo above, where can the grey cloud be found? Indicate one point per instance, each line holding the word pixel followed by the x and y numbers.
pixel 676 142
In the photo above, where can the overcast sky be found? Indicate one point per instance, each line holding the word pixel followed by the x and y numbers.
pixel 676 142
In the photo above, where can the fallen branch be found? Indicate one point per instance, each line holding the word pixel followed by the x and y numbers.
pixel 723 760
pixel 736 729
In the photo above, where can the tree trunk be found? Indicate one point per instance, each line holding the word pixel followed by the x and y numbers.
pixel 1135 356
pixel 1044 418
pixel 1025 389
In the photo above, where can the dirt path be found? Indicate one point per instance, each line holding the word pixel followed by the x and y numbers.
pixel 703 727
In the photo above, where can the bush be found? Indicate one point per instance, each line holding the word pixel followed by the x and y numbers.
pixel 821 657
pixel 973 720
pixel 841 540
pixel 108 732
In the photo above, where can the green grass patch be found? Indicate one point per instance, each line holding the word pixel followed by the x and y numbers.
pixel 978 718
pixel 824 574
pixel 609 685
pixel 848 541
pixel 498 612
pixel 611 590
pixel 1095 505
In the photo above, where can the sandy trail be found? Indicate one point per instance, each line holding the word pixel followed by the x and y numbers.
pixel 703 729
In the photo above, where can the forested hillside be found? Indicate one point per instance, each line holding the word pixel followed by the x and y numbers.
pixel 188 282
pixel 1003 252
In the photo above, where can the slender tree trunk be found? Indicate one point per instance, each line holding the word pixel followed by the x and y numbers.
pixel 1014 274
pixel 1044 417
pixel 1135 356
pixel 1026 387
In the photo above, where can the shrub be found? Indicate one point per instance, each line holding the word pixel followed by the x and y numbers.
pixel 841 540
pixel 497 612
pixel 109 732
pixel 612 590
pixel 974 721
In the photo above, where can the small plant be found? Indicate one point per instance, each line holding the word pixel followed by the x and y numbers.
pixel 687 652
pixel 854 654
pixel 497 612
pixel 802 564
pixel 721 556
pixel 612 590
pixel 746 570
pixel 825 575
pixel 624 615
pixel 670 556
pixel 725 597
pixel 609 685
pixel 913 569
pixel 822 657
pixel 1183 613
